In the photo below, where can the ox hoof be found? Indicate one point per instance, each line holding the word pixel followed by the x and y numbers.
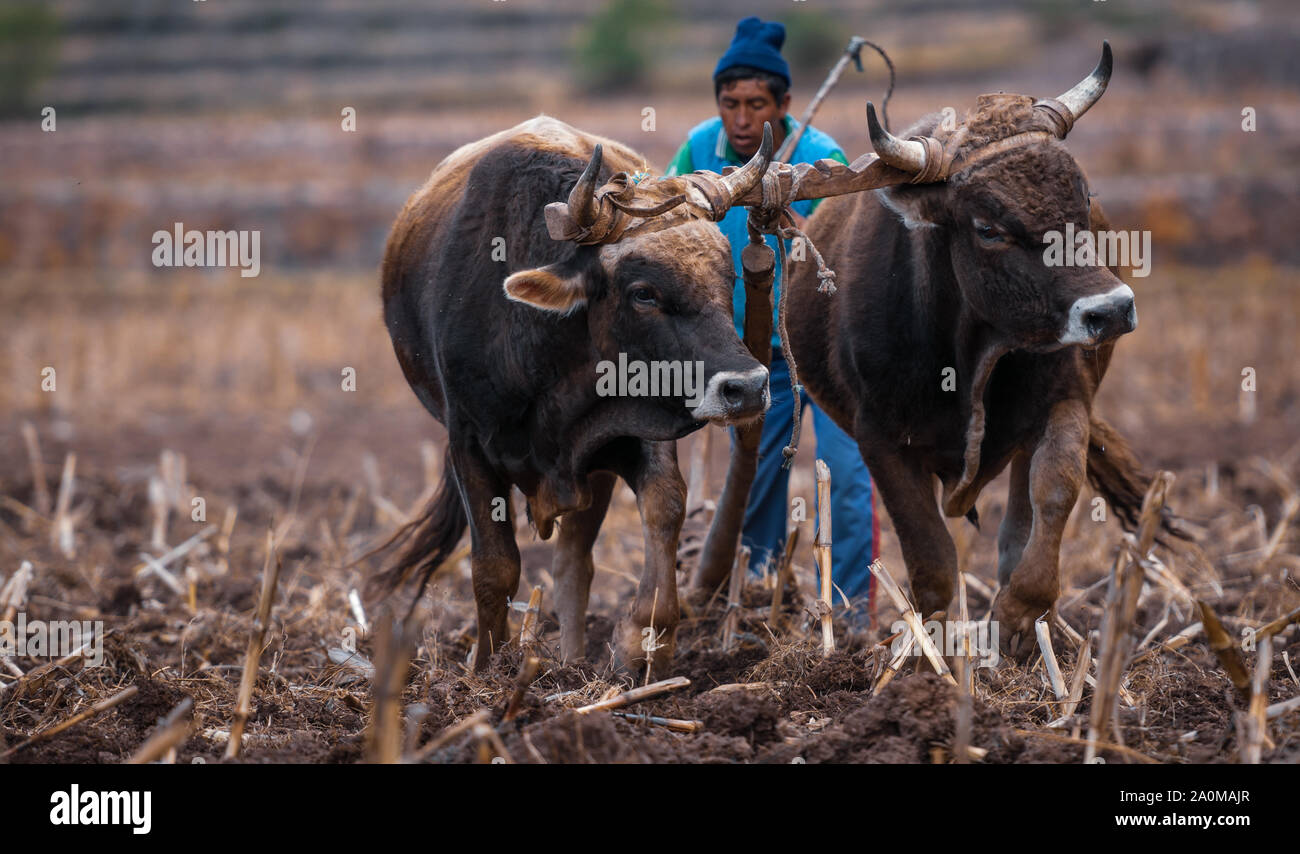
pixel 1015 619
pixel 630 649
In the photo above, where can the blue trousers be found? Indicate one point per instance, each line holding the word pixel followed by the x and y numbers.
pixel 854 532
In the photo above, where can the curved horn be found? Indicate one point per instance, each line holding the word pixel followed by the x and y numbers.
pixel 747 177
pixel 1089 90
pixel 905 154
pixel 654 210
pixel 582 198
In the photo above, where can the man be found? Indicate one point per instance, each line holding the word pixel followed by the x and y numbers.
pixel 751 85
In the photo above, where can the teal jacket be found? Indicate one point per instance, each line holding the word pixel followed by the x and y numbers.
pixel 707 147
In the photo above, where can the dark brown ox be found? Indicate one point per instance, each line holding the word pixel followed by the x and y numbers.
pixel 504 349
pixel 946 274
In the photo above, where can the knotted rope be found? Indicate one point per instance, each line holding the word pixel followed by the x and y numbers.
pixel 767 219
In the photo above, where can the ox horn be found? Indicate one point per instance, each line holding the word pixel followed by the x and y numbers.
pixel 745 178
pixel 907 155
pixel 1089 90
pixel 582 198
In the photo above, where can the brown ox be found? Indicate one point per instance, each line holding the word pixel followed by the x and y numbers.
pixel 946 274
pixel 501 329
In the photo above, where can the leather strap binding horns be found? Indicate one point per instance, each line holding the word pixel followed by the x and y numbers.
pixel 1058 114
pixel 936 163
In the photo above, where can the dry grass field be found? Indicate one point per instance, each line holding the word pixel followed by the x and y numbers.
pixel 191 376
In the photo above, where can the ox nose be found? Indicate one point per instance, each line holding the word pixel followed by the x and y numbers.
pixel 1101 317
pixel 734 396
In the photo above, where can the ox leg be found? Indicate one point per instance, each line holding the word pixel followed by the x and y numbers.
pixel 494 556
pixel 928 550
pixel 661 498
pixel 1056 471
pixel 573 568
pixel 1013 533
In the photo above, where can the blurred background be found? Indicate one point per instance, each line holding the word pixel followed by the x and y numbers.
pixel 229 115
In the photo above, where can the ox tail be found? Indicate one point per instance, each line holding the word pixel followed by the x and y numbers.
pixel 1116 474
pixel 427 541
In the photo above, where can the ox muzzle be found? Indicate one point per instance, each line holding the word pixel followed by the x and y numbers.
pixel 1099 318
pixel 733 396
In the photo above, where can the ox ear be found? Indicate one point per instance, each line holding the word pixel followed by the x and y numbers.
pixel 555 287
pixel 917 205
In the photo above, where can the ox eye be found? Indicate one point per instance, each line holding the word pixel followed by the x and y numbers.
pixel 643 296
pixel 988 232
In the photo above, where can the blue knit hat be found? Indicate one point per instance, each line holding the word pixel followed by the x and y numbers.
pixel 757 43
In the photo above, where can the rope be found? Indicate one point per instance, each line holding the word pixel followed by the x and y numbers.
pixel 796 389
pixel 884 105
pixel 826 285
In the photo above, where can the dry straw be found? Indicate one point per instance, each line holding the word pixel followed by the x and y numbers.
pixel 253 654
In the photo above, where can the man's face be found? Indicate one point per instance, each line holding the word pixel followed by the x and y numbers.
pixel 744 105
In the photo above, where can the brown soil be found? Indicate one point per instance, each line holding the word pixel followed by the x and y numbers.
pixel 808 708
